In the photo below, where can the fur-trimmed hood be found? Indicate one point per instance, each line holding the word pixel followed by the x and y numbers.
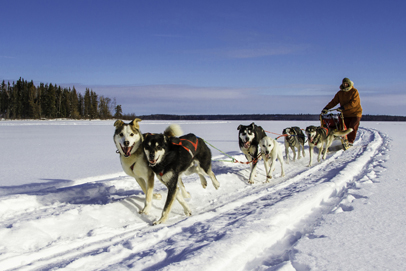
pixel 350 85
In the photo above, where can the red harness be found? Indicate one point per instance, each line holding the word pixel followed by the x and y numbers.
pixel 181 143
pixel 326 129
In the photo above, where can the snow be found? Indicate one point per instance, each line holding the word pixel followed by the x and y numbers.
pixel 66 204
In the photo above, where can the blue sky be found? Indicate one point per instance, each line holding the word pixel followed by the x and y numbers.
pixel 211 57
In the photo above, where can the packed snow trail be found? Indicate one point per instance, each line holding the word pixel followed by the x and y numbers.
pixel 95 225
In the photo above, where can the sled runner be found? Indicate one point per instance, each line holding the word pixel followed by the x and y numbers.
pixel 335 121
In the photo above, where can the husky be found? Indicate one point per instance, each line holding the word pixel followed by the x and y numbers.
pixel 248 139
pixel 270 151
pixel 128 139
pixel 322 138
pixel 170 157
pixel 294 138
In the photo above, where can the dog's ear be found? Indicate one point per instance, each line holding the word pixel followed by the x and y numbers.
pixel 253 125
pixel 135 124
pixel 239 127
pixel 118 123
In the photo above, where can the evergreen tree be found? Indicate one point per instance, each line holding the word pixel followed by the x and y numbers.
pixel 58 99
pixel 81 105
pixel 94 105
pixel 119 112
pixel 51 102
pixel 32 106
pixel 87 104
pixel 4 100
pixel 74 104
pixel 104 105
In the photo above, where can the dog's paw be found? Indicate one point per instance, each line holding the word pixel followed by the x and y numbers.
pixel 251 182
pixel 216 185
pixel 157 196
pixel 157 222
pixel 186 195
pixel 188 213
pixel 143 212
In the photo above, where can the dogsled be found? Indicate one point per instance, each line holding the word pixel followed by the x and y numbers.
pixel 335 121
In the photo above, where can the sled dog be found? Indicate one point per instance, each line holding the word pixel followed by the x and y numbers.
pixel 270 151
pixel 322 137
pixel 248 140
pixel 170 157
pixel 294 138
pixel 128 139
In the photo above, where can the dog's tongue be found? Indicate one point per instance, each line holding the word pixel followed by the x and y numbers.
pixel 153 162
pixel 127 150
pixel 246 144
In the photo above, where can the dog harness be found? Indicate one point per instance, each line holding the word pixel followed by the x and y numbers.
pixel 187 145
pixel 325 130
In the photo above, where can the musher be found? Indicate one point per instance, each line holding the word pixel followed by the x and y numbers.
pixel 350 106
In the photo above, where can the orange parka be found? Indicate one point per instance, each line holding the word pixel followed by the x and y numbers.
pixel 350 102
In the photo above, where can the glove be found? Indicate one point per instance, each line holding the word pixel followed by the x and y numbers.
pixel 324 111
pixel 341 109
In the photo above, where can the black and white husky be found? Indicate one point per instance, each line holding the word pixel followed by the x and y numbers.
pixel 322 138
pixel 170 157
pixel 294 138
pixel 128 139
pixel 248 140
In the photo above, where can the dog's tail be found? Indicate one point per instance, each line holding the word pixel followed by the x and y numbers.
pixel 343 133
pixel 173 130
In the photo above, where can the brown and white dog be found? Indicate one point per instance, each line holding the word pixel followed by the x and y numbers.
pixel 322 138
pixel 128 139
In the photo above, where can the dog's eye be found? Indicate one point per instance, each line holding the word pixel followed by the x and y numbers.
pixel 121 134
pixel 132 134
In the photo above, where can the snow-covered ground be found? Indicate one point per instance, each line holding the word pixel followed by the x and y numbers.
pixel 66 204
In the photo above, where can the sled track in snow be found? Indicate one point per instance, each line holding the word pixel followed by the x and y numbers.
pixel 288 208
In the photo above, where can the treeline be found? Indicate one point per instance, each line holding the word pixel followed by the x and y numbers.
pixel 255 117
pixel 24 100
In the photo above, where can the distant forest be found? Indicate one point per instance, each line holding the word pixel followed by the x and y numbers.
pixel 24 100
